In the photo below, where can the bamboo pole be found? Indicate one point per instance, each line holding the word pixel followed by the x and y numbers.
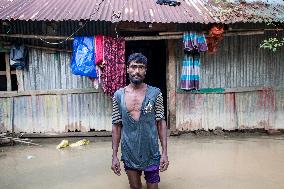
pixel 45 37
pixel 170 33
pixel 152 38
pixel 42 48
pixel 48 48
pixel 48 92
pixel 4 72
pixel 162 36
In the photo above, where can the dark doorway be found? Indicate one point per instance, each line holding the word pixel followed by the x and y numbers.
pixel 155 51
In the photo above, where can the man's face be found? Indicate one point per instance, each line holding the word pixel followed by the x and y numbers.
pixel 137 72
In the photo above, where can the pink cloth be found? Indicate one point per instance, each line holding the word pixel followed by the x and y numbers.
pixel 99 41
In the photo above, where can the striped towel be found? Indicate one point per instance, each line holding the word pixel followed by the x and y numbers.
pixel 190 72
pixel 194 42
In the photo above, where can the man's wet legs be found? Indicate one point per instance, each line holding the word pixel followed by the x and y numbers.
pixel 152 185
pixel 151 174
pixel 134 178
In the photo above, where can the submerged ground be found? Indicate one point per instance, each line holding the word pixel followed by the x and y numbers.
pixel 195 163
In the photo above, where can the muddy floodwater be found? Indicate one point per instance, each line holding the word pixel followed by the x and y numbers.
pixel 195 163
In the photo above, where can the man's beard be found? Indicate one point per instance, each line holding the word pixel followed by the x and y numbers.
pixel 136 81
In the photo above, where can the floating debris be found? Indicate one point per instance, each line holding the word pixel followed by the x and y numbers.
pixel 30 157
pixel 80 143
pixel 63 144
pixel 20 140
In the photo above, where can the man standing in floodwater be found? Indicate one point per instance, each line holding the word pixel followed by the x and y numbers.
pixel 138 120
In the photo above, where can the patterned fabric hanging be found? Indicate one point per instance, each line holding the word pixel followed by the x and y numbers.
pixel 190 72
pixel 114 68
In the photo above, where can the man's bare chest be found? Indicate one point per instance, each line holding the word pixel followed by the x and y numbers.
pixel 134 101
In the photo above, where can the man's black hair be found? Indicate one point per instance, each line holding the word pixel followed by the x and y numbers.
pixel 137 57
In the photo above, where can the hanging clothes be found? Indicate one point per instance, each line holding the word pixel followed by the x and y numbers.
pixel 18 56
pixel 194 41
pixel 97 81
pixel 83 57
pixel 114 68
pixel 190 71
pixel 168 2
pixel 214 38
pixel 201 43
pixel 99 44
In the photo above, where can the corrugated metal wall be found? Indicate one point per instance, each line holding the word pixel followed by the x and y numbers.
pixel 6 114
pixel 205 111
pixel 247 110
pixel 51 70
pixel 58 112
pixel 238 63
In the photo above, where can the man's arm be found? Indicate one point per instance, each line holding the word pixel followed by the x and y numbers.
pixel 116 134
pixel 162 130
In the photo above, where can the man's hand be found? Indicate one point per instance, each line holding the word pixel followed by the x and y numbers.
pixel 116 166
pixel 164 163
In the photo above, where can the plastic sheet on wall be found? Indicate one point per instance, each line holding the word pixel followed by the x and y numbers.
pixel 83 60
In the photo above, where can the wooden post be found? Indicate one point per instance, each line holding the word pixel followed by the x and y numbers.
pixel 9 88
pixel 19 74
pixel 8 72
pixel 12 114
pixel 171 84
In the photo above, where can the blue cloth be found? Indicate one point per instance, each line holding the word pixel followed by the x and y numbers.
pixel 83 59
pixel 194 42
pixel 18 56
